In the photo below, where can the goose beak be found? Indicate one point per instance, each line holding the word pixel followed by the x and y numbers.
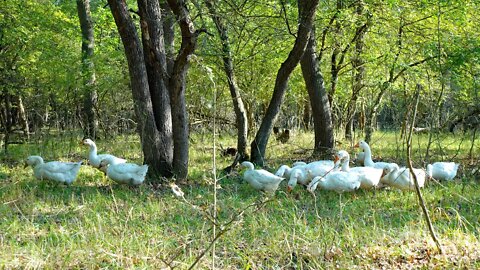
pixel 335 159
pixel 357 145
pixel 289 189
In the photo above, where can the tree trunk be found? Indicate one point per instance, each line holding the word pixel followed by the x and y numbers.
pixel 306 10
pixel 359 70
pixel 158 80
pixel 8 118
pixel 156 66
pixel 177 85
pixel 149 135
pixel 239 108
pixel 23 118
pixel 88 69
pixel 322 115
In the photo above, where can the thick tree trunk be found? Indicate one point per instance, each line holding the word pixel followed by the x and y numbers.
pixel 322 115
pixel 149 135
pixel 239 108
pixel 88 69
pixel 306 10
pixel 156 66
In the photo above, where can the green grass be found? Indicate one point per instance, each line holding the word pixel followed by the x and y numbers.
pixel 97 224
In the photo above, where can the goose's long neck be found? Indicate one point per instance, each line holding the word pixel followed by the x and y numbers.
pixel 93 151
pixel 368 156
pixel 39 161
pixel 249 165
pixel 346 164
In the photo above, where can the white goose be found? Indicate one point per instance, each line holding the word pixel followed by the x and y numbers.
pixel 400 177
pixel 369 177
pixel 94 159
pixel 368 162
pixel 285 171
pixel 318 168
pixel 298 176
pixel 261 179
pixel 62 172
pixel 337 181
pixel 124 173
pixel 442 170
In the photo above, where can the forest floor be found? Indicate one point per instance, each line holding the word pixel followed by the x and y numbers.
pixel 98 224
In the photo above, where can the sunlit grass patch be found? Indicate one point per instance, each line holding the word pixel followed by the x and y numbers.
pixel 96 223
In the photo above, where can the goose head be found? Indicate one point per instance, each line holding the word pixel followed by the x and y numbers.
pixel 248 165
pixel 390 168
pixel 362 144
pixel 33 161
pixel 296 173
pixel 88 142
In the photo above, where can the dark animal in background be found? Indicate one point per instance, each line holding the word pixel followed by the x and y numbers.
pixel 229 151
pixel 282 135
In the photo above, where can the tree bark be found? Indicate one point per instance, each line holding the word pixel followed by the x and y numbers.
pixel 238 106
pixel 306 10
pixel 156 67
pixel 177 87
pixel 322 115
pixel 149 135
pixel 88 69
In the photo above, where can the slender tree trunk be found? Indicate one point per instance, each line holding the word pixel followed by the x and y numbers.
pixel 8 118
pixel 88 69
pixel 358 68
pixel 306 112
pixel 306 10
pixel 23 117
pixel 322 115
pixel 177 88
pixel 238 106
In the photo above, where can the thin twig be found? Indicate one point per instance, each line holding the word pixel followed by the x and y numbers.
pixel 225 228
pixel 417 187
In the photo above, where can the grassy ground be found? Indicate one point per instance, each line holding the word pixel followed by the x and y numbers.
pixel 97 224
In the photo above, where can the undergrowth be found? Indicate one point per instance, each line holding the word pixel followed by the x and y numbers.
pixel 98 224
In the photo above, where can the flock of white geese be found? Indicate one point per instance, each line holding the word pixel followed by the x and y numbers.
pixel 333 175
pixel 337 175
pixel 117 169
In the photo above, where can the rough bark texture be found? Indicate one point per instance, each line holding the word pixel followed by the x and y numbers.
pixel 177 88
pixel 156 66
pixel 88 69
pixel 149 135
pixel 238 106
pixel 158 80
pixel 306 11
pixel 322 115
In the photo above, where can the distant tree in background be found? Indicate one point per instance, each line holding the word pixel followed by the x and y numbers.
pixel 90 122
